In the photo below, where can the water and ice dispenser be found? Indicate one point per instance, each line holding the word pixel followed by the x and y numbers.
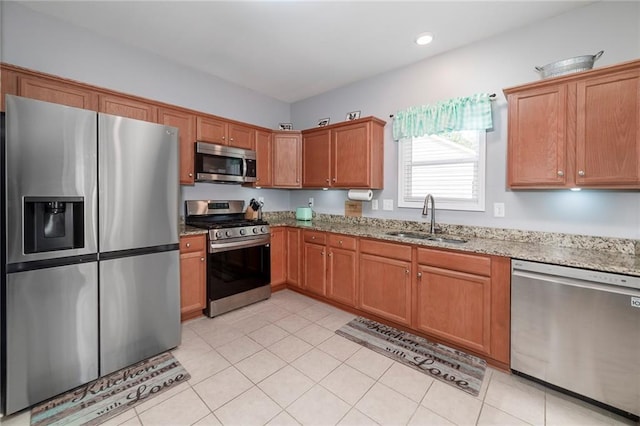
pixel 53 223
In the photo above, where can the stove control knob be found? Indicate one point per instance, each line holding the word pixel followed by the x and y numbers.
pixel 228 233
pixel 263 229
pixel 243 231
pixel 256 230
pixel 218 234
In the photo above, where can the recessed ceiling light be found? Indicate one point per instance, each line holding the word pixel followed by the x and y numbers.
pixel 424 38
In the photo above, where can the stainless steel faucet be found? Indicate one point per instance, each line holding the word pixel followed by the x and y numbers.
pixel 425 211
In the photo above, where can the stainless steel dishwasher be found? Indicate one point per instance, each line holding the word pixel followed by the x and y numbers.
pixel 578 330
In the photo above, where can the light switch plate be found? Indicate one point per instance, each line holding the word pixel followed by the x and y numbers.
pixel 498 209
pixel 374 204
pixel 387 204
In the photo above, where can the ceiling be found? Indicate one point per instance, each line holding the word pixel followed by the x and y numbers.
pixel 292 50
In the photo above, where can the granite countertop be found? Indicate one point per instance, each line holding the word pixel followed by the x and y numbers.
pixel 588 258
pixel 191 230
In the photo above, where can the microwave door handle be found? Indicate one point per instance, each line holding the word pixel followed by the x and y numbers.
pixel 244 167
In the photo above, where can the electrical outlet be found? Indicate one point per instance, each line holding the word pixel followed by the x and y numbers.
pixel 310 201
pixel 498 209
pixel 387 204
pixel 374 204
pixel 261 199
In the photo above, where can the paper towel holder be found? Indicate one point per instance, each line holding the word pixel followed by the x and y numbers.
pixel 360 194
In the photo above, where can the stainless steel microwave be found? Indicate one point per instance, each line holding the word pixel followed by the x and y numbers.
pixel 224 164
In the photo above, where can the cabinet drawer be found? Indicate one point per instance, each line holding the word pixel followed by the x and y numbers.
pixel 342 241
pixel 192 243
pixel 391 250
pixel 471 263
pixel 315 237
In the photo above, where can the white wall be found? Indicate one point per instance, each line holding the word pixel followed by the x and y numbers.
pixel 489 66
pixel 36 41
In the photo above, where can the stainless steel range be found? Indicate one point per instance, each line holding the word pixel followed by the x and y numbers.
pixel 239 254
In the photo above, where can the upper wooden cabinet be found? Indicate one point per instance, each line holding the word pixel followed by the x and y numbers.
pixel 56 92
pixel 578 130
pixel 264 159
pixel 126 107
pixel 287 159
pixel 186 124
pixel 345 155
pixel 223 132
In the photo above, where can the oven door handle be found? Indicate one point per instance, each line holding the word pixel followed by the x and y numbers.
pixel 245 243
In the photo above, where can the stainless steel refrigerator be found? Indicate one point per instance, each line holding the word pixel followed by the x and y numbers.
pixel 91 263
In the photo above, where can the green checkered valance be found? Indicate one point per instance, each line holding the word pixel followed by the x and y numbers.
pixel 468 113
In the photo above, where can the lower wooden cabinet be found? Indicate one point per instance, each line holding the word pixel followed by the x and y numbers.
pixel 315 262
pixel 193 276
pixel 294 257
pixel 385 280
pixel 463 299
pixel 278 256
pixel 342 269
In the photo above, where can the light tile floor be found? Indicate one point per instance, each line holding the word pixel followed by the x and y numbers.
pixel 279 362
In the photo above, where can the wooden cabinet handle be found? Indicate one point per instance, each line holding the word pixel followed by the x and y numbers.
pixel 202 259
pixel 223 138
pixel 419 274
pixel 340 242
pixel 560 173
pixel 581 173
pixel 188 245
pixel 231 139
pixel 190 174
pixel 313 237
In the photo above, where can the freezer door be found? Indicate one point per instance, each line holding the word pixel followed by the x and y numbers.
pixel 51 151
pixel 138 180
pixel 52 332
pixel 139 308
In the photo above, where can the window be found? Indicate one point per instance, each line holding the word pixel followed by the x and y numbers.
pixel 449 166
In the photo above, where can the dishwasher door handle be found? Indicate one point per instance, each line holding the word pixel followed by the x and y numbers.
pixel 558 280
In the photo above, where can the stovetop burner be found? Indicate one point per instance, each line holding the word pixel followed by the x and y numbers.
pixel 224 219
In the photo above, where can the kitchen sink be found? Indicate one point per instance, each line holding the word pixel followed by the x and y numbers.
pixel 428 237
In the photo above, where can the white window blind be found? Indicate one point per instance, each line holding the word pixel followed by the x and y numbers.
pixel 450 166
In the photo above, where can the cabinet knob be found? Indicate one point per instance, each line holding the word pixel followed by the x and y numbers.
pixel 322 253
pixel 326 180
pixel 223 138
pixel 333 180
pixel 231 139
pixel 313 237
pixel 560 173
pixel 202 259
pixel 297 180
pixel 340 242
pixel 581 173
pixel 419 274
pixel 188 245
pixel 406 271
pixel 330 254
pixel 190 174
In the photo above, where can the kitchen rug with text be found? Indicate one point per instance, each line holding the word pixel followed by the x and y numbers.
pixel 108 396
pixel 448 365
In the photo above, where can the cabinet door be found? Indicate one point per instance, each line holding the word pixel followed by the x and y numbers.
pixel 537 142
pixel 278 256
pixel 287 159
pixel 455 306
pixel 608 130
pixel 341 275
pixel 294 255
pixel 316 159
pixel 126 107
pixel 315 267
pixel 385 287
pixel 57 92
pixel 264 148
pixel 242 136
pixel 350 156
pixel 213 130
pixel 186 124
pixel 193 276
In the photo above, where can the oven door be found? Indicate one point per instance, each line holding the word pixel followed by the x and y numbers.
pixel 238 274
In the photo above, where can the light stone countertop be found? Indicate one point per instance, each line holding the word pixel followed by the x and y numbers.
pixel 597 253
pixel 588 258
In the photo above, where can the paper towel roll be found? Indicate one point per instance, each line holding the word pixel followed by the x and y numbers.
pixel 360 194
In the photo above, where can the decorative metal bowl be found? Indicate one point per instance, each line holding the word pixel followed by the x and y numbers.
pixel 568 66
